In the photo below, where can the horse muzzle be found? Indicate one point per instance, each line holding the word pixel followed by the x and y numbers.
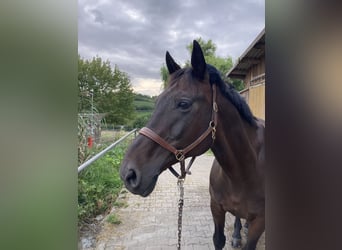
pixel 134 182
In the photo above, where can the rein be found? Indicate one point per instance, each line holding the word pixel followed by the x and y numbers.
pixel 180 155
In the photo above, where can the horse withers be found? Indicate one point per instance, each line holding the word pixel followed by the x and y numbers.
pixel 195 112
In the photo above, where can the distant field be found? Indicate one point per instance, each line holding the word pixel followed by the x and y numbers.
pixel 144 105
pixel 111 135
pixel 143 102
pixel 142 113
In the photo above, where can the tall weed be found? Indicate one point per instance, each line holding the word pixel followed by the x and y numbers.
pixel 99 184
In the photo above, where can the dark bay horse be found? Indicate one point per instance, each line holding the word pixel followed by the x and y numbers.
pixel 198 111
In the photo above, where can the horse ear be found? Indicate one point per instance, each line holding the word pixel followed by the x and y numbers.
pixel 197 60
pixel 172 66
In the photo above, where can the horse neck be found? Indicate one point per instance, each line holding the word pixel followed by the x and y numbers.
pixel 233 146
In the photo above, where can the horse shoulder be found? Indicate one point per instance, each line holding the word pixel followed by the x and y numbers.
pixel 219 181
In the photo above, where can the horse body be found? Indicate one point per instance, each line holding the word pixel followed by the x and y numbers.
pixel 237 180
pixel 181 117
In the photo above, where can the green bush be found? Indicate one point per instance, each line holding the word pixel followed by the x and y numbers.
pixel 99 184
pixel 141 121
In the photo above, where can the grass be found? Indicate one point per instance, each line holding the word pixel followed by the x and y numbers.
pixel 209 152
pixel 120 204
pixel 99 185
pixel 113 219
pixel 109 136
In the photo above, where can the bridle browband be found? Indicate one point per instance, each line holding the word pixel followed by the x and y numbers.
pixel 180 154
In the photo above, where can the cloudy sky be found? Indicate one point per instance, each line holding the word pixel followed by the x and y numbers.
pixel 135 34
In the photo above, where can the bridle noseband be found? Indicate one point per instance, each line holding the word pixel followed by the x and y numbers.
pixel 180 154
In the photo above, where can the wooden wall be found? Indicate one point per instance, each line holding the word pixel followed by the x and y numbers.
pixel 257 100
pixel 255 89
pixel 254 71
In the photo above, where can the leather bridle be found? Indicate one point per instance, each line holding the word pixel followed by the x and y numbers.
pixel 180 154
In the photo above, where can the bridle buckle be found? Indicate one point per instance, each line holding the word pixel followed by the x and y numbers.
pixel 180 155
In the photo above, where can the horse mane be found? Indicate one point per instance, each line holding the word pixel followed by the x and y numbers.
pixel 229 92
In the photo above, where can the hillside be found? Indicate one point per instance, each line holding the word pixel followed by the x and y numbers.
pixel 143 103
pixel 144 106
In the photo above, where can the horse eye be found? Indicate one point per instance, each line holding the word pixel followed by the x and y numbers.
pixel 184 105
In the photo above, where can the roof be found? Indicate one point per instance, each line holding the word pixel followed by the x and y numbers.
pixel 250 57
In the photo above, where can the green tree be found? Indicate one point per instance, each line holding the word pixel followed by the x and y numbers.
pixel 208 48
pixel 141 121
pixel 164 74
pixel 111 89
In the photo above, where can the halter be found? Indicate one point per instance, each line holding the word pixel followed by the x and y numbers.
pixel 180 154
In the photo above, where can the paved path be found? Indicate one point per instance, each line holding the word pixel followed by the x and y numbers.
pixel 151 223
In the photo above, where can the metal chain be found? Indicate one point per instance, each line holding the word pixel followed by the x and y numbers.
pixel 180 210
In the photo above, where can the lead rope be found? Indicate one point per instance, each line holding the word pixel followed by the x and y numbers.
pixel 180 185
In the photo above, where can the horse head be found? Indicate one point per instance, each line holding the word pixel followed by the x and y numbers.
pixel 182 114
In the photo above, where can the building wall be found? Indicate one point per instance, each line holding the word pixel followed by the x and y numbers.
pixel 254 71
pixel 255 89
pixel 257 100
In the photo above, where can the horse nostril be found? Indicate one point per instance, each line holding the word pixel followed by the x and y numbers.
pixel 131 178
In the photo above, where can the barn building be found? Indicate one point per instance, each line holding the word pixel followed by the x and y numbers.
pixel 250 67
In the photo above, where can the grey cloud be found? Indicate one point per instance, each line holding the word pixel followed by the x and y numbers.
pixel 136 34
pixel 98 16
